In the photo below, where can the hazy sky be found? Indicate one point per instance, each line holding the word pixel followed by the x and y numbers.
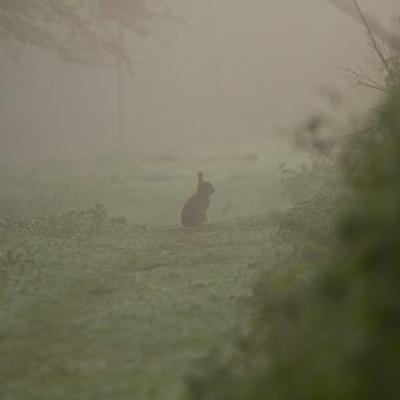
pixel 236 72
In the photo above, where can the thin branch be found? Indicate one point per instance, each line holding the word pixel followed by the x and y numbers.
pixel 361 79
pixel 371 35
pixel 392 40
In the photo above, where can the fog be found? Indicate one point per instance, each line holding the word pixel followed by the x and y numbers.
pixel 232 74
pixel 244 221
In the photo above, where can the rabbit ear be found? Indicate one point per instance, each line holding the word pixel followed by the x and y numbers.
pixel 200 177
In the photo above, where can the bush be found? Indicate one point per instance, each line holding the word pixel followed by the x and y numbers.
pixel 329 329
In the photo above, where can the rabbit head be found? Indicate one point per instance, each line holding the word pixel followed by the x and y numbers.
pixel 204 188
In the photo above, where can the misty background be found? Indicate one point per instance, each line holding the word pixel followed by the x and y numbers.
pixel 123 275
pixel 232 77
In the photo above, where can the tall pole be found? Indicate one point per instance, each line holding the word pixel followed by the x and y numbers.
pixel 120 89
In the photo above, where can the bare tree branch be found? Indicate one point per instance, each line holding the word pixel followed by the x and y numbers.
pixel 392 40
pixel 391 64
pixel 374 43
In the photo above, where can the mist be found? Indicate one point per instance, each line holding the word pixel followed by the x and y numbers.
pixel 228 76
pixel 199 199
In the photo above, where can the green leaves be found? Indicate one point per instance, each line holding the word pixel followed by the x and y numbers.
pixel 328 328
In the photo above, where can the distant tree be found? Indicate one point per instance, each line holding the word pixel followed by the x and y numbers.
pixel 78 31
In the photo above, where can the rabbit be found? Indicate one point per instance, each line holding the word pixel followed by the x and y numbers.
pixel 194 212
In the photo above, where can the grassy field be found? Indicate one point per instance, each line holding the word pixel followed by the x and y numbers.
pixel 94 307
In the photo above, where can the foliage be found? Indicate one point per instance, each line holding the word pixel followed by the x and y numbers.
pixel 330 329
pixel 75 30
pixel 305 231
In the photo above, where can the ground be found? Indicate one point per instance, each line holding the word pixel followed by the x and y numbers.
pixel 124 308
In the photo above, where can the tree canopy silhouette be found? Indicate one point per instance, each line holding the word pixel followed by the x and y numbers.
pixel 78 32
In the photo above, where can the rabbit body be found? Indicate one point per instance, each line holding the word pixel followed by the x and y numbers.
pixel 194 212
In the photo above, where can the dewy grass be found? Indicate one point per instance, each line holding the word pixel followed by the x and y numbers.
pixel 95 307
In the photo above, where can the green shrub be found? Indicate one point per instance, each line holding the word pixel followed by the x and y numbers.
pixel 329 328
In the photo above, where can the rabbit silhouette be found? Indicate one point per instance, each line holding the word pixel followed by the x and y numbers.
pixel 194 212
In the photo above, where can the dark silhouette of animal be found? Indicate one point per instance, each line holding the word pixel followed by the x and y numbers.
pixel 194 212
